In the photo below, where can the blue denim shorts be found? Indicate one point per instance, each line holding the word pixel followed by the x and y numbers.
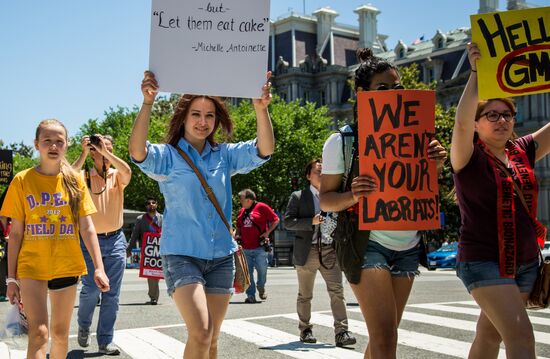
pixel 216 275
pixel 486 273
pixel 399 263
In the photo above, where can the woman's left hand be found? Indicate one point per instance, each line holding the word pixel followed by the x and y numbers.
pixel 264 101
pixel 437 152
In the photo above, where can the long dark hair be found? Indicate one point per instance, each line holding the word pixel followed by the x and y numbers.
pixel 176 127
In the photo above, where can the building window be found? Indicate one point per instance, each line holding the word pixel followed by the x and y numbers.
pixel 322 98
pixel 440 43
pixel 401 53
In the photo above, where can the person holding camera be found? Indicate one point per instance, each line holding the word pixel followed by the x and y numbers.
pixel 314 252
pixel 255 222
pixel 106 186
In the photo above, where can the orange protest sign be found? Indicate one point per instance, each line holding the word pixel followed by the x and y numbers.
pixel 395 128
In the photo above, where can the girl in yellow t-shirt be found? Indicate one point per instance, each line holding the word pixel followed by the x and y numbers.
pixel 49 206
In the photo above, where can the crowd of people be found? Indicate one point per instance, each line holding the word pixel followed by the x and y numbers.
pixel 55 200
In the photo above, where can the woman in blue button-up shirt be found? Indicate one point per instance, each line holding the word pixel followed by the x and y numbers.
pixel 196 247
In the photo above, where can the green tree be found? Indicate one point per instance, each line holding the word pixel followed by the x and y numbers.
pixel 300 132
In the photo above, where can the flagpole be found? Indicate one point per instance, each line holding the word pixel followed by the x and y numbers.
pixel 304 7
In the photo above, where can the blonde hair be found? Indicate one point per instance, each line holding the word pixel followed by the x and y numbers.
pixel 68 175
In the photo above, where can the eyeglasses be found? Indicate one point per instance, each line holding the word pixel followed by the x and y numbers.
pixel 384 87
pixel 494 116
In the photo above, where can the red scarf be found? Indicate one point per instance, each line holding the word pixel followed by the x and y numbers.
pixel 506 220
pixel 152 224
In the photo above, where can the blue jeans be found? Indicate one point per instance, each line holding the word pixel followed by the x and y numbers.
pixel 113 253
pixel 256 258
pixel 215 275
pixel 486 273
pixel 399 263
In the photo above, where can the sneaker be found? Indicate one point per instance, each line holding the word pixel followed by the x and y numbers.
pixel 3 298
pixel 153 302
pixel 262 293
pixel 109 349
pixel 344 339
pixel 251 299
pixel 307 337
pixel 83 337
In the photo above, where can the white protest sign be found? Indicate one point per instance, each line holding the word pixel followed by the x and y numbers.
pixel 210 47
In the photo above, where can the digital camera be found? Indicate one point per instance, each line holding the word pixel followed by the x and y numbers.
pixel 95 140
pixel 265 243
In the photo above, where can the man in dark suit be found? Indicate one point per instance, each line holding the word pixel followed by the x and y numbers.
pixel 314 252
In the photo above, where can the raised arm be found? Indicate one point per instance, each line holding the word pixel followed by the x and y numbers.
pixel 462 146
pixel 542 138
pixel 264 129
pixel 138 138
pixel 85 145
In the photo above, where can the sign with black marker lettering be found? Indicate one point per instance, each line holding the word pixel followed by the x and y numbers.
pixel 214 48
pixel 395 129
pixel 515 52
pixel 6 166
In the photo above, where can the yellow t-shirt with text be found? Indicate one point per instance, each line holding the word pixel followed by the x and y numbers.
pixel 51 245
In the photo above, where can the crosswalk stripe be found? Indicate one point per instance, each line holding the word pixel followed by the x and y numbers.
pixel 473 303
pixel 452 323
pixel 284 343
pixel 470 311
pixel 409 338
pixel 145 343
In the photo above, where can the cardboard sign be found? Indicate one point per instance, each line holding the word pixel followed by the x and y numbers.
pixel 395 129
pixel 6 166
pixel 515 52
pixel 151 263
pixel 210 48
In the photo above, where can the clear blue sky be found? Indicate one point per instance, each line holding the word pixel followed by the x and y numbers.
pixel 73 60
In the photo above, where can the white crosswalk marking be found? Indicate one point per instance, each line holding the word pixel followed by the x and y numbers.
pixel 145 343
pixel 283 342
pixel 471 311
pixel 153 343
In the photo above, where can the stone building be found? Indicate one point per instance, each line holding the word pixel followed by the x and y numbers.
pixel 313 59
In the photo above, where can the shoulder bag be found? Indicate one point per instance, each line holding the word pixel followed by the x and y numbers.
pixel 241 282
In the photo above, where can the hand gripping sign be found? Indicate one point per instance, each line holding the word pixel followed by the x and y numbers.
pixel 151 263
pixel 515 52
pixel 395 129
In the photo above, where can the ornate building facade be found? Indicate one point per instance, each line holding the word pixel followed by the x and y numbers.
pixel 313 59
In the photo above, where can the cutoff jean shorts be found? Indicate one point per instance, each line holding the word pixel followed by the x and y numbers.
pixel 216 275
pixel 399 263
pixel 486 273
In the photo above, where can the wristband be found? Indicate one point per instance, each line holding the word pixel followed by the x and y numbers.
pixel 473 70
pixel 12 280
pixel 148 104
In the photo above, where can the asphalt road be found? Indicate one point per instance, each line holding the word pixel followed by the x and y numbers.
pixel 439 322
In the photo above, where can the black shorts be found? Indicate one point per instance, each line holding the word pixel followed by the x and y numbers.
pixel 61 283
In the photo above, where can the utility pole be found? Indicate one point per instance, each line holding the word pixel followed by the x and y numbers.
pixel 304 6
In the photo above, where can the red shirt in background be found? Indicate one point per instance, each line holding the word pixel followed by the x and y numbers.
pixel 253 222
